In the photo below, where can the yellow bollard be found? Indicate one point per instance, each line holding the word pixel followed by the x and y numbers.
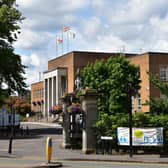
pixel 48 149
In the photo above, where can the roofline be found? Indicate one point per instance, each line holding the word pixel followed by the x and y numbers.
pixel 55 69
pixel 91 52
pixel 153 52
pixel 37 82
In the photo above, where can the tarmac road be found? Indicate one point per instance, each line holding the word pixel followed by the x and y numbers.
pixel 29 151
pixel 30 163
pixel 94 164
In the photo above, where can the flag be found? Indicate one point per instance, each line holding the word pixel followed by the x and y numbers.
pixel 59 40
pixel 66 28
pixel 72 34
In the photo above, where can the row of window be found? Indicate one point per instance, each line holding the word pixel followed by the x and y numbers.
pixel 163 73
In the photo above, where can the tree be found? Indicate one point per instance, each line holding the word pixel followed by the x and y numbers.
pixel 158 84
pixel 9 18
pixel 158 105
pixel 111 79
pixel 11 68
pixel 21 106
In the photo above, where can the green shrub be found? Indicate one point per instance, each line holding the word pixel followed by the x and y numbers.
pixel 107 125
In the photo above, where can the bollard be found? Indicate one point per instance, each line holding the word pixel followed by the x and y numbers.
pixel 48 149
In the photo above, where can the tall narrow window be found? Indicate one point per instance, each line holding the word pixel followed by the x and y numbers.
pixel 63 85
pixel 164 72
pixel 139 105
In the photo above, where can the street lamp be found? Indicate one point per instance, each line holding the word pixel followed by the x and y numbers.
pixel 12 125
pixel 130 92
pixel 129 105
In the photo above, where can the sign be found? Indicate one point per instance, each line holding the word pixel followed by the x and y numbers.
pixel 141 136
pixel 106 138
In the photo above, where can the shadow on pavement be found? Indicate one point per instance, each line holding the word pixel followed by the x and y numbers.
pixel 31 133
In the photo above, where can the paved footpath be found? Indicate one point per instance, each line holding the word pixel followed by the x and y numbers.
pixel 35 156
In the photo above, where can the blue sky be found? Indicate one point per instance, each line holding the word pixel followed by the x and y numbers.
pixel 100 25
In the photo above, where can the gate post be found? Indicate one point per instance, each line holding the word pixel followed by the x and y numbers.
pixel 89 106
pixel 66 122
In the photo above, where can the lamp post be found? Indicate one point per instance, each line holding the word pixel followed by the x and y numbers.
pixel 131 91
pixel 129 95
pixel 12 122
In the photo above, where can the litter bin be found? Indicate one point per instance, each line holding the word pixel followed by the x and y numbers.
pixel 104 145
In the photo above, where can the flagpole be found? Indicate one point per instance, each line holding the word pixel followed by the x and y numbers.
pixel 62 39
pixel 56 47
pixel 67 41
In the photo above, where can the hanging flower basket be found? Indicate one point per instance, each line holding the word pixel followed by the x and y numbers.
pixel 75 107
pixel 57 109
pixel 39 103
pixel 34 103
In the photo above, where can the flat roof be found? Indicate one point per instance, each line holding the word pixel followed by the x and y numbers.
pixel 37 82
pixel 91 52
pixel 55 69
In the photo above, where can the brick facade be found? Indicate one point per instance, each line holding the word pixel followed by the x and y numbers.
pixel 148 62
pixel 75 60
pixel 37 95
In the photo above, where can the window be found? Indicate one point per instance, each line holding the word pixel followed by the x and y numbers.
pixel 139 105
pixel 63 85
pixel 164 73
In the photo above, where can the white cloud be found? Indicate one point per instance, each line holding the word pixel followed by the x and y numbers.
pixel 35 60
pixel 137 11
pixel 160 25
pixel 35 65
pixel 32 60
pixel 92 27
pixel 111 43
pixel 99 25
pixel 29 39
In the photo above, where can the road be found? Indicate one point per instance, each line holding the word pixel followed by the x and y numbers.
pixel 93 164
pixel 30 150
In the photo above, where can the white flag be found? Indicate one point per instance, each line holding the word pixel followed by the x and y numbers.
pixel 72 34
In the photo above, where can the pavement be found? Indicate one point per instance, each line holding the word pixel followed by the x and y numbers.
pixel 18 159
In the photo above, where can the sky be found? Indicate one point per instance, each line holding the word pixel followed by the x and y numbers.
pixel 133 26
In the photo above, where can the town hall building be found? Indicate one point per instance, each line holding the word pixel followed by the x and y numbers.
pixel 60 77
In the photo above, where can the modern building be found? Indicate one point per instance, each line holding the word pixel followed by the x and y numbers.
pixel 61 74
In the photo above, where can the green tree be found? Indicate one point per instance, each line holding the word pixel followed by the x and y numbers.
pixel 11 68
pixel 158 84
pixel 158 105
pixel 111 79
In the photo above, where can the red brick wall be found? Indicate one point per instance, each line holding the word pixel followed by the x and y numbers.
pixel 37 93
pixel 157 59
pixel 143 62
pixel 64 61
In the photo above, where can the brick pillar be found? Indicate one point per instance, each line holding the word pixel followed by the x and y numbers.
pixel 89 106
